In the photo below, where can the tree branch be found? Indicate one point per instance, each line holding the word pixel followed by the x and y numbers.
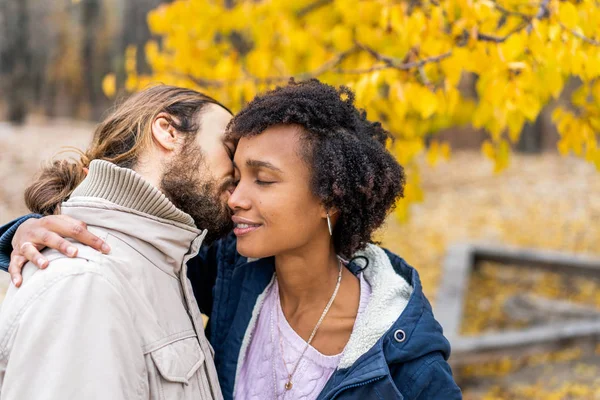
pixel 206 83
pixel 329 65
pixel 543 11
pixel 401 67
pixel 363 70
pixel 389 61
pixel 312 7
pixel 491 38
pixel 580 36
pixel 501 39
pixel 506 11
pixel 423 76
pixel 333 63
pixel 422 62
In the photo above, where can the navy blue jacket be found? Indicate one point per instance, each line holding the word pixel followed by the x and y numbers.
pixel 414 367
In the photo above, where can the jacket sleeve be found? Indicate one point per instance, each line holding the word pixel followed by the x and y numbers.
pixel 6 235
pixel 75 339
pixel 435 382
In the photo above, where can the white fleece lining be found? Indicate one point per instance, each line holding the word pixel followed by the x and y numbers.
pixel 389 296
pixel 250 330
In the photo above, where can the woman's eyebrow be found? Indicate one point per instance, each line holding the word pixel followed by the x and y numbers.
pixel 262 164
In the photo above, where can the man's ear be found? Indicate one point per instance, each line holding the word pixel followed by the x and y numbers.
pixel 163 132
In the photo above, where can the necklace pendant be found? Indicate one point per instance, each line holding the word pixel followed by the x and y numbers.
pixel 288 385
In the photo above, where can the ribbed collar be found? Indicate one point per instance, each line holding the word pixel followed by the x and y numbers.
pixel 126 188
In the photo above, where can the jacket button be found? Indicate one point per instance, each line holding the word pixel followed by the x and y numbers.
pixel 400 336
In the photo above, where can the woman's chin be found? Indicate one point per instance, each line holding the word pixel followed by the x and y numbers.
pixel 251 251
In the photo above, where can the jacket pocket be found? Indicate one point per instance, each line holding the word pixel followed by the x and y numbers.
pixel 177 371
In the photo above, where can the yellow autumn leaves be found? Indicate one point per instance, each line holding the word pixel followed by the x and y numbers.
pixel 417 66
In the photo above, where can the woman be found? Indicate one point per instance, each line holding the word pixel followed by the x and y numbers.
pixel 308 308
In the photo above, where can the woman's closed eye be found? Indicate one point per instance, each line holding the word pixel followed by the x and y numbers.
pixel 264 183
pixel 261 182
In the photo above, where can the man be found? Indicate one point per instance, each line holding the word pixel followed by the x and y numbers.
pixel 125 324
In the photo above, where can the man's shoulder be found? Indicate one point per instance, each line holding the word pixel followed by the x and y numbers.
pixel 64 271
pixel 60 289
pixel 88 262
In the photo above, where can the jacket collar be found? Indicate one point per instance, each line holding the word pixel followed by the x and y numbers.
pixel 120 200
pixel 128 189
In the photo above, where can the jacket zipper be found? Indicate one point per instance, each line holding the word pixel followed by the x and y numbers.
pixel 355 385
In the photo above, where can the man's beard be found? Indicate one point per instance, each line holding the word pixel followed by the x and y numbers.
pixel 198 196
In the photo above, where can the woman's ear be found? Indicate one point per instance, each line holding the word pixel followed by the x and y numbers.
pixel 163 132
pixel 333 213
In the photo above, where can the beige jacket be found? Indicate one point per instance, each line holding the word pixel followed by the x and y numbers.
pixel 118 326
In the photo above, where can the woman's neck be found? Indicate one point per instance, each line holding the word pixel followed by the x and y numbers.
pixel 306 283
pixel 307 278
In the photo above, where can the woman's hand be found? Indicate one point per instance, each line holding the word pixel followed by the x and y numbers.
pixel 36 234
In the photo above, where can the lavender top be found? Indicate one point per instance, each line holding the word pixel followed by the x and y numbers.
pixel 263 371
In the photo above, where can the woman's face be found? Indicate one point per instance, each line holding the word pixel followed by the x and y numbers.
pixel 274 210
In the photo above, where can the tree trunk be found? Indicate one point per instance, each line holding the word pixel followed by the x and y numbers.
pixel 135 28
pixel 531 138
pixel 89 18
pixel 15 58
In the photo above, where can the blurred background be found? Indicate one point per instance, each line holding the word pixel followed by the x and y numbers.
pixel 494 106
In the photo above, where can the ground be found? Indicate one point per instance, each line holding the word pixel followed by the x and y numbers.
pixel 544 201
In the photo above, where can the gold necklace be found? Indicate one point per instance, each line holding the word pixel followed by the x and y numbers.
pixel 289 384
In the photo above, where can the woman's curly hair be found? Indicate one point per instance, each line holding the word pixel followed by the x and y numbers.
pixel 352 171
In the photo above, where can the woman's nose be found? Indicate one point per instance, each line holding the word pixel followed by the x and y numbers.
pixel 239 199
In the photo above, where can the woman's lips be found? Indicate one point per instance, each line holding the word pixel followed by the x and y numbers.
pixel 243 226
pixel 244 229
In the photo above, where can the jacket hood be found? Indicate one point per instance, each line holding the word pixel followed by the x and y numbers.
pixel 423 334
pixel 398 318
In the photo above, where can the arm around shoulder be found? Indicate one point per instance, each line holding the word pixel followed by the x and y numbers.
pixel 7 232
